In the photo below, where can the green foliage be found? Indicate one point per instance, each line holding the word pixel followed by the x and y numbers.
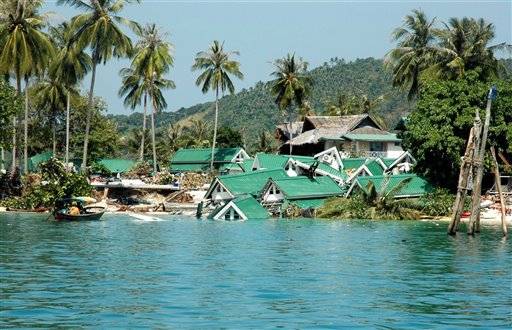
pixel 228 137
pixel 437 131
pixel 256 105
pixel 437 203
pixel 101 169
pixel 141 169
pixel 10 104
pixel 44 189
pixel 372 203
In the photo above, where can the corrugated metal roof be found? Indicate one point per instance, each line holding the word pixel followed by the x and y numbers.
pixel 204 155
pixel 250 182
pixel 375 167
pixel 302 187
pixel 247 165
pixel 314 203
pixel 118 165
pixel 352 163
pixel 270 161
pixel 372 137
pixel 246 206
pixel 189 167
pixel 34 161
pixel 416 187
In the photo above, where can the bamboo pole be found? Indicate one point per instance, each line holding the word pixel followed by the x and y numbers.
pixel 474 219
pixel 465 169
pixel 500 193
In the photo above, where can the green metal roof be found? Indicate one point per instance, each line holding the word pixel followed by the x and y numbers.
pixel 250 182
pixel 374 167
pixel 231 167
pixel 352 163
pixel 302 187
pixel 416 187
pixel 270 161
pixel 190 167
pixel 118 165
pixel 36 160
pixel 247 205
pixel 372 137
pixel 223 155
pixel 388 161
pixel 314 203
pixel 247 165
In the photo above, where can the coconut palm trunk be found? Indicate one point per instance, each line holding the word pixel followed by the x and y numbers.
pixel 212 169
pixel 142 139
pixel 25 135
pixel 88 116
pixel 68 106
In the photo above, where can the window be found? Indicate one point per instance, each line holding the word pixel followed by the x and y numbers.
pixel 376 146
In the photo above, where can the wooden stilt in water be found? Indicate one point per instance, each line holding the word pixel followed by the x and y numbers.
pixel 500 193
pixel 474 219
pixel 465 170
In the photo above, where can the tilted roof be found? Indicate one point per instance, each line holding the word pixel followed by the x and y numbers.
pixel 302 187
pixel 250 182
pixel 416 187
pixel 118 165
pixel 270 161
pixel 246 206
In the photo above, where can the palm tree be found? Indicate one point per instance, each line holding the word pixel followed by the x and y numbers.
pixel 217 68
pixel 291 84
pixel 415 52
pixel 26 51
pixel 69 68
pixel 98 30
pixel 341 105
pixel 465 46
pixel 135 87
pixel 153 58
pixel 51 95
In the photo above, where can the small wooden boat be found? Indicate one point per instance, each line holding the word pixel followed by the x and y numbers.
pixel 78 209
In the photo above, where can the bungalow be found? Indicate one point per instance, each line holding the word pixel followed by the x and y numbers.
pixel 229 160
pixel 241 208
pixel 301 188
pixel 355 134
pixel 415 187
pixel 117 165
pixel 226 187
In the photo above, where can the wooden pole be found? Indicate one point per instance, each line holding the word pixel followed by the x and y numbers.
pixel 465 169
pixel 500 193
pixel 474 219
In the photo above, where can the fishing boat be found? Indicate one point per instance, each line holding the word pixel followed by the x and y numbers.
pixel 78 209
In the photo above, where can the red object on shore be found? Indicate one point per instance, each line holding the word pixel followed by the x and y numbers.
pixel 465 214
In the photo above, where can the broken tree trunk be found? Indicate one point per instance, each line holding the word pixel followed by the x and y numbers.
pixel 474 219
pixel 500 193
pixel 465 170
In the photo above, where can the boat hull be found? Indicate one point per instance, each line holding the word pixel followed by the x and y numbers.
pixel 88 215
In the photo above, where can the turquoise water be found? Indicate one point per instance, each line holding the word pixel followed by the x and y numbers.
pixel 182 273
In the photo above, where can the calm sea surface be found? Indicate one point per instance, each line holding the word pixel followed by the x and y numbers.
pixel 183 273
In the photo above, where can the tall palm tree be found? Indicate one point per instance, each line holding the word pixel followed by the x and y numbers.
pixel 415 52
pixel 465 46
pixel 135 87
pixel 292 85
pixel 51 96
pixel 98 30
pixel 152 59
pixel 217 68
pixel 69 68
pixel 26 51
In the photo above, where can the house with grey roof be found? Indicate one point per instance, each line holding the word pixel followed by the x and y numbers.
pixel 351 135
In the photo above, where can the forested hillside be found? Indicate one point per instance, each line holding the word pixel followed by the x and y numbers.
pixel 254 111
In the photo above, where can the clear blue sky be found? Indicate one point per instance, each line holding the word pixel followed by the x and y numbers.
pixel 263 31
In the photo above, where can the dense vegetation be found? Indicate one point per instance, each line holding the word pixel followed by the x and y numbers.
pixel 256 105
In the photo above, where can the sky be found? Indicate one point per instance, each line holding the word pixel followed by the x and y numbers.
pixel 263 31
